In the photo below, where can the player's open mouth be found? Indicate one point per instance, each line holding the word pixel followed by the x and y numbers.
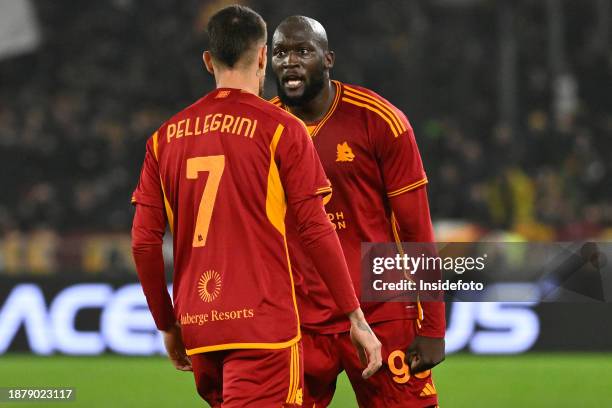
pixel 293 83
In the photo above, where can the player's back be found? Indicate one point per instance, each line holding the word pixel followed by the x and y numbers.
pixel 226 206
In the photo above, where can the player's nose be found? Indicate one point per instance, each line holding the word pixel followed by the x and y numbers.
pixel 291 60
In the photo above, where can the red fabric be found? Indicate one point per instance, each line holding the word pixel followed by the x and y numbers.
pixel 328 354
pixel 327 257
pixel 149 190
pixel 411 211
pixel 232 281
pixel 147 236
pixel 250 378
pixel 319 241
pixel 368 150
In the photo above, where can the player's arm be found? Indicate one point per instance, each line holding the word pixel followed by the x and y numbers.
pixel 405 182
pixel 147 238
pixel 322 245
pixel 411 211
pixel 148 229
pixel 304 181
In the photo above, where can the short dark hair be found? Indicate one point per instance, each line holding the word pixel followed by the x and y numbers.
pixel 232 31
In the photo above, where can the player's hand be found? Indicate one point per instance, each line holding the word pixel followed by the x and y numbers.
pixel 367 344
pixel 173 340
pixel 425 353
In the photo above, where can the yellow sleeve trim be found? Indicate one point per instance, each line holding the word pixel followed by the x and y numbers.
pixel 242 346
pixel 276 205
pixel 323 190
pixel 276 102
pixel 276 208
pixel 407 188
pixel 154 137
pixel 169 213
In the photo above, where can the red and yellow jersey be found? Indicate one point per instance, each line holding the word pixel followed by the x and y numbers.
pixel 224 170
pixel 369 153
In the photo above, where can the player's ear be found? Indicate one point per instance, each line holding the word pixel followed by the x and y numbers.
pixel 262 58
pixel 208 62
pixel 330 58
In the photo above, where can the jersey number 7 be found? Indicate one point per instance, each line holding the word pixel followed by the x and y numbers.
pixel 214 165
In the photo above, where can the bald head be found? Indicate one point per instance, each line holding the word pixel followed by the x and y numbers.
pixel 309 27
pixel 301 61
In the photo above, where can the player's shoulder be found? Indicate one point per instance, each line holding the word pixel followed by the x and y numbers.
pixel 266 107
pixel 357 90
pixel 273 111
pixel 375 106
pixel 276 101
pixel 248 103
pixel 183 113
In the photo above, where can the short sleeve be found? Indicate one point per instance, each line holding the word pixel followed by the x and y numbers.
pixel 149 191
pixel 400 162
pixel 300 168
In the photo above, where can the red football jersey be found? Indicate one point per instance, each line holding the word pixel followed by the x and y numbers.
pixel 224 170
pixel 369 153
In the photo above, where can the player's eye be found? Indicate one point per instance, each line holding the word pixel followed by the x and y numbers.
pixel 279 53
pixel 304 51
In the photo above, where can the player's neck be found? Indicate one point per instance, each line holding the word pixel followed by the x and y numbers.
pixel 314 110
pixel 238 79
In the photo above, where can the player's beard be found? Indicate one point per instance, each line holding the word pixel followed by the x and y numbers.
pixel 312 88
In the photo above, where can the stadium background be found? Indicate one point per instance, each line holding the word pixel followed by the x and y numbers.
pixel 510 101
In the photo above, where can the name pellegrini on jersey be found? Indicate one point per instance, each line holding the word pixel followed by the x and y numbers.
pixel 212 122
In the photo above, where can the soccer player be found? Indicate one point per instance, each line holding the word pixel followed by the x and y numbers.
pixel 369 152
pixel 222 173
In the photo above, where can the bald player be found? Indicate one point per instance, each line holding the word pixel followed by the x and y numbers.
pixel 370 155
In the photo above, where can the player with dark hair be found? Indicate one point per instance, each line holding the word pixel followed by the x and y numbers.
pixel 222 173
pixel 369 152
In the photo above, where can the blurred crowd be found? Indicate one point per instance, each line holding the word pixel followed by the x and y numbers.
pixel 75 114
